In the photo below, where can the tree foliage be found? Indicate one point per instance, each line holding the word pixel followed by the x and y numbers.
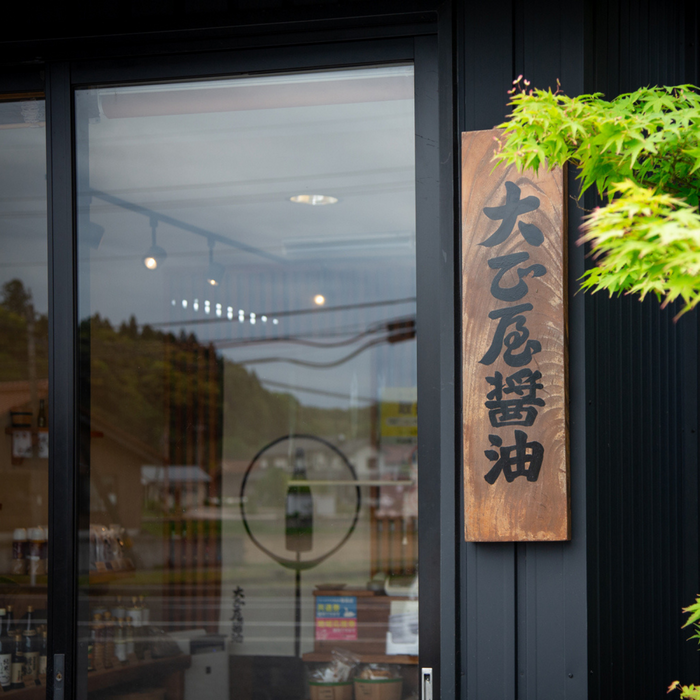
pixel 690 692
pixel 641 151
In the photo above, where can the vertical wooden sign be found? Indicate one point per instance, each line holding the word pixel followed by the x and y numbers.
pixel 516 466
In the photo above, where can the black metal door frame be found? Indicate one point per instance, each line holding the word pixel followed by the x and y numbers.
pixel 436 314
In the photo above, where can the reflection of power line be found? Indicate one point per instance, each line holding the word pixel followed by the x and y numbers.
pixel 308 390
pixel 296 340
pixel 295 312
pixel 405 331
pixel 318 365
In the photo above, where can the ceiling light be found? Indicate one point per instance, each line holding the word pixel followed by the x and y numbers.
pixel 155 255
pixel 319 300
pixel 315 200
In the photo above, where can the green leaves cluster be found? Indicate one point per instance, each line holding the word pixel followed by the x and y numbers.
pixel 641 151
pixel 690 692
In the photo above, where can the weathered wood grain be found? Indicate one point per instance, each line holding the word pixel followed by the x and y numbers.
pixel 522 510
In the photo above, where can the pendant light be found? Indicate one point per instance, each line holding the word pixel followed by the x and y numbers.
pixel 155 255
pixel 215 273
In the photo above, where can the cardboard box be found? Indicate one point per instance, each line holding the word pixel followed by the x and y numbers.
pixel 330 691
pixel 379 689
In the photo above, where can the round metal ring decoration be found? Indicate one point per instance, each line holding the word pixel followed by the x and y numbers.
pixel 293 563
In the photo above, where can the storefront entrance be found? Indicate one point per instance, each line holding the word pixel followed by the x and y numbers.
pixel 218 370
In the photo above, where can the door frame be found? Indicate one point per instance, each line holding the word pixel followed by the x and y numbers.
pixel 437 308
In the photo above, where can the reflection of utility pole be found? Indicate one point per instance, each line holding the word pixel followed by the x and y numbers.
pixel 31 361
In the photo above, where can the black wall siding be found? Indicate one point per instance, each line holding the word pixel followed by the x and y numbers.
pixel 525 617
pixel 634 408
pixel 642 385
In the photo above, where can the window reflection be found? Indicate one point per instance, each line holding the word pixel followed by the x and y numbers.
pixel 23 394
pixel 247 305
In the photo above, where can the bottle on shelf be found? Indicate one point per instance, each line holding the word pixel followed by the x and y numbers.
pixel 41 416
pixel 98 643
pixel 43 653
pixel 120 641
pixel 35 562
pixel 145 612
pixel 299 509
pixel 19 551
pixel 43 433
pixel 134 614
pixel 17 663
pixel 29 623
pixel 109 638
pixel 30 647
pixel 129 636
pixel 119 610
pixel 10 622
pixel 5 653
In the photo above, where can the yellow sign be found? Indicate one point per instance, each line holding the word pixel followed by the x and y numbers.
pixel 399 416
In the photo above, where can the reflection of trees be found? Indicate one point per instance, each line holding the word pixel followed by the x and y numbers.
pixel 17 315
pixel 146 382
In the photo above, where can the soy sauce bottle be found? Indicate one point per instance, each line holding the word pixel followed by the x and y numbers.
pixel 5 653
pixel 17 663
pixel 299 509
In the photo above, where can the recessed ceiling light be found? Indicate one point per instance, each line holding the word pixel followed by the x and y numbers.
pixel 315 200
pixel 319 300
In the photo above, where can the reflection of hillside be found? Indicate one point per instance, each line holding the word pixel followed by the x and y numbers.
pixel 149 384
pixel 14 352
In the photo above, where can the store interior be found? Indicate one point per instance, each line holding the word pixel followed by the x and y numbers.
pixel 246 281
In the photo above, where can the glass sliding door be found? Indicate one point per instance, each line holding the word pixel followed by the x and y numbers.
pixel 24 415
pixel 247 297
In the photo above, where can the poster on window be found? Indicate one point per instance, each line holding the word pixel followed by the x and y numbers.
pixel 336 618
pixel 516 467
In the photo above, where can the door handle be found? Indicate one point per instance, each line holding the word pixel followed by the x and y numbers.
pixel 59 676
pixel 426 684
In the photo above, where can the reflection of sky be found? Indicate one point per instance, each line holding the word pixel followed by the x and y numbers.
pixel 23 203
pixel 227 177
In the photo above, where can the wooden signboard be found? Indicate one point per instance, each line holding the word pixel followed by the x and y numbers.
pixel 516 467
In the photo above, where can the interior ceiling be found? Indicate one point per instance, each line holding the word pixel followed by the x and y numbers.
pixel 227 158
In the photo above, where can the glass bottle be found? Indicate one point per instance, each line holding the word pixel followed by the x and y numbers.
pixel 98 643
pixel 17 663
pixel 10 623
pixel 129 636
pixel 5 653
pixel 41 416
pixel 30 648
pixel 120 641
pixel 109 639
pixel 43 653
pixel 299 509
pixel 29 625
pixel 145 612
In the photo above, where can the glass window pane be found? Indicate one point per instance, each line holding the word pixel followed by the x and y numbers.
pixel 24 388
pixel 247 303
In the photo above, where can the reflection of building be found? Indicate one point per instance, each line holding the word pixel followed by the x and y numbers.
pixel 160 485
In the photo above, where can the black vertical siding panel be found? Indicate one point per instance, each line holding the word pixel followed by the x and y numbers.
pixel 551 593
pixel 643 439
pixel 488 626
pixel 525 606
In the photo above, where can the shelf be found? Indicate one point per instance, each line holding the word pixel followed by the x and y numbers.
pixel 152 670
pixel 97 577
pixel 325 656
pixel 22 581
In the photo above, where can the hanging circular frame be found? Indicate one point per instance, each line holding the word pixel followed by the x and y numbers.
pixel 292 563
